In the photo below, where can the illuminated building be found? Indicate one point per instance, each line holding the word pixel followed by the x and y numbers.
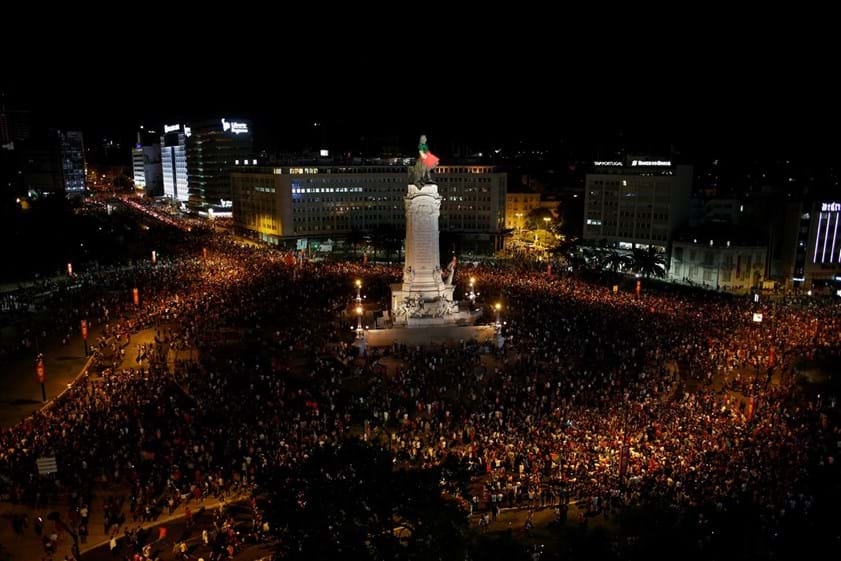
pixel 55 164
pixel 146 164
pixel 818 251
pixel 72 158
pixel 212 150
pixel 280 203
pixel 174 162
pixel 637 202
pixel 517 208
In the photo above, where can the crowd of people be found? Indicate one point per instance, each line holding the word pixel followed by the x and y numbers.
pixel 601 399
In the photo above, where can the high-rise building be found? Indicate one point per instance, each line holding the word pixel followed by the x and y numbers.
pixel 212 150
pixel 818 250
pixel 640 202
pixel 287 203
pixel 55 163
pixel 146 164
pixel 15 124
pixel 174 162
pixel 71 148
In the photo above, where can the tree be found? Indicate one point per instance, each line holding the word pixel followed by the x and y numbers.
pixel 649 262
pixel 535 219
pixel 388 238
pixel 355 238
pixel 614 261
pixel 349 502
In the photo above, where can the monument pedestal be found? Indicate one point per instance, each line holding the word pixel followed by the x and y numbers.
pixel 424 298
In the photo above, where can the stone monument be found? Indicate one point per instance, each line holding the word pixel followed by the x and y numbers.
pixel 424 297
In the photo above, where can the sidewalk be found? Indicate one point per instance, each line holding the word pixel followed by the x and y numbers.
pixel 20 392
pixel 29 547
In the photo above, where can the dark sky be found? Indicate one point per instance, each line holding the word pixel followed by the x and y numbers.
pixel 711 103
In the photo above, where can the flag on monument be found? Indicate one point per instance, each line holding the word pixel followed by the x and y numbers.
pixel 430 160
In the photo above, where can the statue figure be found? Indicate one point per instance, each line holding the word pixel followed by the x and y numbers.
pixel 405 308
pixel 419 309
pixel 451 270
pixel 420 173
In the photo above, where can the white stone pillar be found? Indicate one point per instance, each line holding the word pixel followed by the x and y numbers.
pixel 422 269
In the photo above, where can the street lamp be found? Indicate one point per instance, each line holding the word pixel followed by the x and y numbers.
pixel 359 322
pixel 497 308
pixel 358 291
pixel 472 294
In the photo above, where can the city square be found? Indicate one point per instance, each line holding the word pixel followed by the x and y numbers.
pixel 235 351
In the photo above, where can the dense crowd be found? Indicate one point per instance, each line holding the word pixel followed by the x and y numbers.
pixel 603 399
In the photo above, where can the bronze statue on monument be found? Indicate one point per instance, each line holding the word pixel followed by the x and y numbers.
pixel 420 173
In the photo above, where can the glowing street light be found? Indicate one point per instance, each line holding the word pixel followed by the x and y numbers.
pixel 359 322
pixel 472 294
pixel 498 308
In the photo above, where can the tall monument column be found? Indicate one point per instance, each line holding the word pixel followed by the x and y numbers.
pixel 422 269
pixel 424 298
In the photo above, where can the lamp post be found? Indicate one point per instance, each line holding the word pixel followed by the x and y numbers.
pixel 359 308
pixel 546 221
pixel 472 294
pixel 498 325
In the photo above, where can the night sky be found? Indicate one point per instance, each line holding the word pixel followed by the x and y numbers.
pixel 713 106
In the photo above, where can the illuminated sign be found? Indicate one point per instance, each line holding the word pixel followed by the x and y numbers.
pixel 302 171
pixel 171 128
pixel 324 153
pixel 826 234
pixel 187 131
pixel 234 127
pixel 651 163
pixel 757 318
pixel 607 163
pixel 225 203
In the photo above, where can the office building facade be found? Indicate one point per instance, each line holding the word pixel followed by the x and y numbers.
pixel 147 168
pixel 212 150
pixel 71 148
pixel 637 203
pixel 174 163
pixel 287 203
pixel 818 251
pixel 719 257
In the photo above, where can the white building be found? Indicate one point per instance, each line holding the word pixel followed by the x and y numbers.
pixel 146 167
pixel 638 203
pixel 174 162
pixel 718 258
pixel 275 203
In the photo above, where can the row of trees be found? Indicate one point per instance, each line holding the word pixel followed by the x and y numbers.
pixel 351 502
pixel 645 262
